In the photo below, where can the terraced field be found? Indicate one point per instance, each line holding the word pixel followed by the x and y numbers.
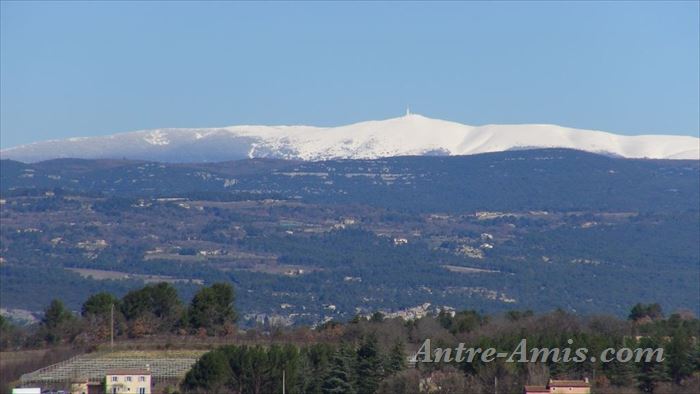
pixel 164 365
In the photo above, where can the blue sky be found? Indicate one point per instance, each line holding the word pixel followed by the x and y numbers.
pixel 78 69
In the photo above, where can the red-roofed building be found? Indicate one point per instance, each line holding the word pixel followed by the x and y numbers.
pixel 536 390
pixel 561 387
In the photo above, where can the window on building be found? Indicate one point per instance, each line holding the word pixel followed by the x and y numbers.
pixel 142 390
pixel 114 378
pixel 128 378
pixel 142 378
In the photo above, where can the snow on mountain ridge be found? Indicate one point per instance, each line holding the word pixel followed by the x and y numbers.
pixel 407 135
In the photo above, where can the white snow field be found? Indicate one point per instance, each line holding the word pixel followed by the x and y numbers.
pixel 407 135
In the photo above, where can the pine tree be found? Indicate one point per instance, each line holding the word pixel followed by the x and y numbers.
pixel 55 318
pixel 314 368
pixel 338 379
pixel 212 307
pixel 679 356
pixel 159 300
pixel 99 304
pixel 619 373
pixel 55 314
pixel 211 373
pixel 369 366
pixel 650 373
pixel 396 361
pixel 651 311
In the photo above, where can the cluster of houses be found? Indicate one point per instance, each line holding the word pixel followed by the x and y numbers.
pixel 415 312
pixel 116 381
pixel 138 381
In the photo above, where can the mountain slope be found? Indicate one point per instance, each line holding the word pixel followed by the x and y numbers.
pixel 534 179
pixel 407 135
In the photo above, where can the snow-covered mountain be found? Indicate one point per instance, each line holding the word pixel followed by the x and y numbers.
pixel 407 135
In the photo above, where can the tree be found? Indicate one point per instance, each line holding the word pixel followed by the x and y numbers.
pixel 210 374
pixel 99 304
pixel 377 317
pixel 650 373
pixel 369 366
pixel 396 360
pixel 160 301
pixel 212 307
pixel 55 314
pixel 619 373
pixel 282 359
pixel 338 379
pixel 54 321
pixel 9 334
pixel 314 367
pixel 651 311
pixel 451 381
pixel 243 369
pixel 97 318
pixel 679 357
pixel 405 382
pixel 518 315
pixel 463 321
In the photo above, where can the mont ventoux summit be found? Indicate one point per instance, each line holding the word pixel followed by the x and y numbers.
pixel 411 134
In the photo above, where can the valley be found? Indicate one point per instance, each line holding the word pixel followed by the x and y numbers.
pixel 305 242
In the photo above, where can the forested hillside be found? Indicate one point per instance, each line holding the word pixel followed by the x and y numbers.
pixel 305 242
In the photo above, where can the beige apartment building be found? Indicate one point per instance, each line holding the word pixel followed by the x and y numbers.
pixel 128 381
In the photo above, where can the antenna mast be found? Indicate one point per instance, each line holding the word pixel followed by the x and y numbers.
pixel 111 327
